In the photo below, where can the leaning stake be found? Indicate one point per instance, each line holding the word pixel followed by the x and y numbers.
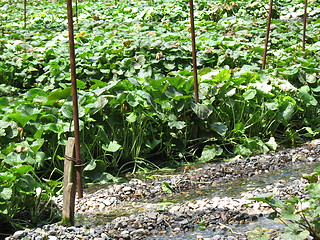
pixel 267 37
pixel 78 164
pixel 305 15
pixel 194 53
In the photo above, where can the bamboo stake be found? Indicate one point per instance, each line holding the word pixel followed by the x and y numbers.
pixel 194 53
pixel 304 25
pixel 25 13
pixel 69 185
pixel 77 11
pixel 74 100
pixel 267 36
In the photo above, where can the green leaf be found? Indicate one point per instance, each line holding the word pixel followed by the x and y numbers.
pixel 177 124
pixel 271 105
pixel 266 198
pixel 145 72
pixel 307 98
pixel 291 71
pixel 21 118
pixel 248 68
pixel 37 144
pixel 223 76
pixel 67 110
pixel 22 169
pixel 294 232
pixel 173 93
pixel 210 152
pixel 314 190
pixel 90 166
pixel 98 105
pixel 55 127
pixel 220 128
pixel 112 147
pixel 288 212
pixel 4 102
pixel 153 144
pixel 272 143
pixel 242 150
pixel 230 92
pixel 132 117
pixel 60 94
pixel 5 193
pixel 3 126
pixel 166 187
pixel 203 111
pixel 169 66
pixel 27 184
pixel 249 94
pixel 81 84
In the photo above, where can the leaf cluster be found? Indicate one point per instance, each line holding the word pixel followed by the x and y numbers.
pixel 135 83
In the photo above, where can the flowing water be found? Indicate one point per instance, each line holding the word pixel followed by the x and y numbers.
pixel 231 189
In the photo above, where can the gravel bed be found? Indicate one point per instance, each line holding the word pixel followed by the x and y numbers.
pixel 218 214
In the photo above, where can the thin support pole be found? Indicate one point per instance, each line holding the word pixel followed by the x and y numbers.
pixel 74 100
pixel 266 41
pixel 305 15
pixel 77 11
pixel 194 53
pixel 25 13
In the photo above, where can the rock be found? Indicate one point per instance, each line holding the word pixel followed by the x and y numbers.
pixel 217 237
pixel 125 234
pixel 126 189
pixel 52 237
pixel 19 234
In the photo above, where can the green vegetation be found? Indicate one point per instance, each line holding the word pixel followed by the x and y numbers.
pixel 300 216
pixel 136 88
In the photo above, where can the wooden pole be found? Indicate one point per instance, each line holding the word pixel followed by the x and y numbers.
pixel 267 36
pixel 304 25
pixel 25 13
pixel 194 53
pixel 78 164
pixel 76 2
pixel 69 185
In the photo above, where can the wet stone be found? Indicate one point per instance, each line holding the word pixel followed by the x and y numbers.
pixel 210 210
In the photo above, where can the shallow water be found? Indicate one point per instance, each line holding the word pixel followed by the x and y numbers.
pixel 235 189
pixel 232 189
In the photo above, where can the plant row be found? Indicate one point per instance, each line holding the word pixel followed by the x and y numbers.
pixel 136 96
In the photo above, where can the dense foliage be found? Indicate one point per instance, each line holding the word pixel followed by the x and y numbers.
pixel 136 87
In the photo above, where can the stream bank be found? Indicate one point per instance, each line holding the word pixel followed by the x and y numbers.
pixel 205 203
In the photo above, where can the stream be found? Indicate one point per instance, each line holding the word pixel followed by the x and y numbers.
pixel 233 189
pixel 208 202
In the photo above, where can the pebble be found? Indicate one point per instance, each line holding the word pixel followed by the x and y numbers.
pixel 19 234
pixel 210 211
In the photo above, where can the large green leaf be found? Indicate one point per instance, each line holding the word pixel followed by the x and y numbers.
pixel 67 110
pixel 203 111
pixel 220 128
pixel 60 94
pixel 113 146
pixel 289 213
pixel 249 94
pixel 5 193
pixel 306 97
pixel 209 152
pixel 22 169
